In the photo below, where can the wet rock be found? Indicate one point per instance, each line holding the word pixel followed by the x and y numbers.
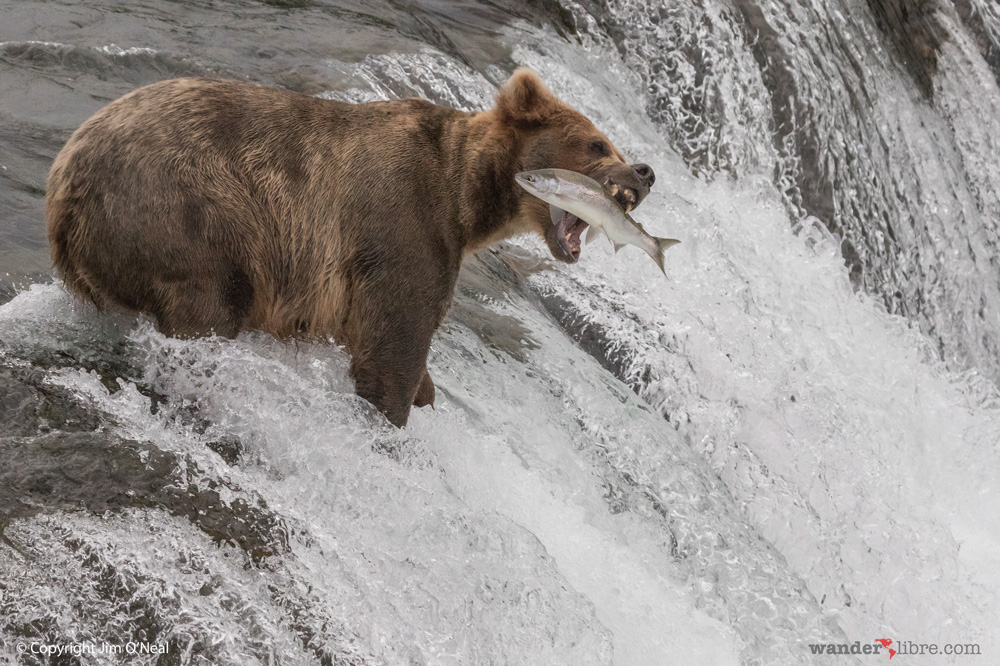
pixel 28 406
pixel 788 109
pixel 915 30
pixel 484 280
pixel 229 448
pixel 56 455
pixel 988 45
pixel 594 340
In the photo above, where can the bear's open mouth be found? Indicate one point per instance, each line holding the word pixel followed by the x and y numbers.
pixel 569 229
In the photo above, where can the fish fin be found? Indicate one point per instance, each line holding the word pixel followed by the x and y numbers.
pixel 662 245
pixel 618 246
pixel 556 214
pixel 592 233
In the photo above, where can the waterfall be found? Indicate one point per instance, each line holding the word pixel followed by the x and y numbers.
pixel 792 438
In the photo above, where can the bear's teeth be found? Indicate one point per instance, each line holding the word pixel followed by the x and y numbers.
pixel 631 197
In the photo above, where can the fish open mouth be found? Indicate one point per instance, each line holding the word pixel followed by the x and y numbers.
pixel 568 232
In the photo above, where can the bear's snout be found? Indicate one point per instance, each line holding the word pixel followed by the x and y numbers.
pixel 645 173
pixel 629 183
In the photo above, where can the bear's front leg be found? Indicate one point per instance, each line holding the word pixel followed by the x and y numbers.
pixel 391 333
pixel 389 382
pixel 425 392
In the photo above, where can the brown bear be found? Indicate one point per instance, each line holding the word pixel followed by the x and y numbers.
pixel 217 206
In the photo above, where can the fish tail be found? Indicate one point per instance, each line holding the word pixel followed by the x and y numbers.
pixel 662 245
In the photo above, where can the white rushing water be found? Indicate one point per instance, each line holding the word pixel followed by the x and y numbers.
pixel 909 179
pixel 799 467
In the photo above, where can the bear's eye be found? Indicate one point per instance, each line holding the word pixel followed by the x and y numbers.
pixel 599 148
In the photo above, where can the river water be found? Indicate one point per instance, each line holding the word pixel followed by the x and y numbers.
pixel 792 439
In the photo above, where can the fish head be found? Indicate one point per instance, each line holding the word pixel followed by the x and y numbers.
pixel 543 183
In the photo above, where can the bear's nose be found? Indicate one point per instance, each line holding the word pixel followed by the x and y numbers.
pixel 645 173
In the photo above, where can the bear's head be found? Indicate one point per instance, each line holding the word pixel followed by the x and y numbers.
pixel 551 134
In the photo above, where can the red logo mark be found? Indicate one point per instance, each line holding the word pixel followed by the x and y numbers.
pixel 886 642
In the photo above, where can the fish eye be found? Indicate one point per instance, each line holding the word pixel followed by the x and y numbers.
pixel 530 179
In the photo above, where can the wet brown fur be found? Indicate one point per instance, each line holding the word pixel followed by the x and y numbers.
pixel 218 206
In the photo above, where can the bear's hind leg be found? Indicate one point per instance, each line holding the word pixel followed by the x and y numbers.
pixel 198 308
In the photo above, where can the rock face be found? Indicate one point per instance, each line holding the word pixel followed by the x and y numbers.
pixel 61 465
pixel 916 33
pixel 55 457
pixel 988 43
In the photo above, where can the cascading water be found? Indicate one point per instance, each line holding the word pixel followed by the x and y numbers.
pixel 887 136
pixel 720 467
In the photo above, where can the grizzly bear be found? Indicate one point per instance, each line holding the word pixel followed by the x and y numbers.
pixel 217 206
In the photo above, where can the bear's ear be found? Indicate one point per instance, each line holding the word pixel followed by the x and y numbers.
pixel 525 99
